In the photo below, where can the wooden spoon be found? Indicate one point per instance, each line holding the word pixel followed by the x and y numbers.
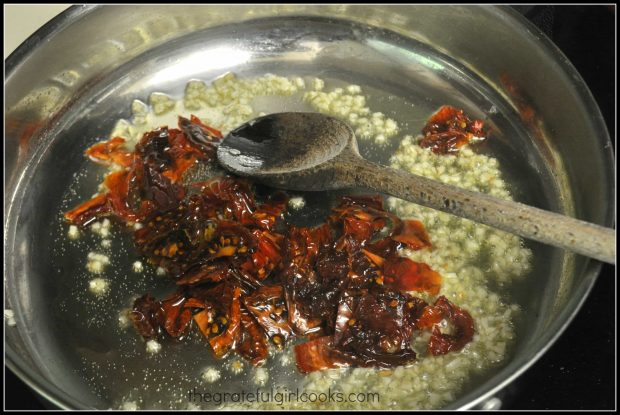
pixel 311 151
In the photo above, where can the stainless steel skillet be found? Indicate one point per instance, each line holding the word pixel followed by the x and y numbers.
pixel 62 94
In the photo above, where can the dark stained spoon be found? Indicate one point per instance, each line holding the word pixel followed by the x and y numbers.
pixel 311 151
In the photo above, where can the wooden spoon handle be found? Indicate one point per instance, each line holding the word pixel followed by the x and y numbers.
pixel 540 225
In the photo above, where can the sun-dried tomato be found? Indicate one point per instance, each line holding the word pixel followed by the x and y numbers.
pixel 413 235
pixel 461 321
pixel 147 316
pixel 247 278
pixel 374 327
pixel 178 317
pixel 89 211
pixel 449 129
pixel 111 152
pixel 268 307
pixel 406 275
pixel 252 343
pixel 210 272
pixel 227 322
pixel 233 195
pixel 318 354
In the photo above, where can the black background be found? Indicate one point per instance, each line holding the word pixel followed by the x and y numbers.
pixel 578 372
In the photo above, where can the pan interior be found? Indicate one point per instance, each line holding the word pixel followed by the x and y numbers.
pixel 77 335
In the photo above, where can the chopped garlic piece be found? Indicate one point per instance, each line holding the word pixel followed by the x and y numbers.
pixel 129 406
pixel 99 286
pixel 153 347
pixel 94 267
pixel 211 374
pixel 161 103
pixel 74 232
pixel 123 319
pixel 297 202
pixel 9 316
pixel 97 262
pixel 160 271
pixel 261 376
pixel 137 266
pixel 236 367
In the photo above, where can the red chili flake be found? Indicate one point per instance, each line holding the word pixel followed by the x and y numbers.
pixel 210 130
pixel 89 211
pixel 460 319
pixel 223 343
pixel 177 316
pixel 203 320
pixel 407 275
pixel 268 307
pixel 205 273
pixel 233 194
pixel 413 235
pixel 147 316
pixel 316 355
pixel 111 152
pixel 252 343
pixel 375 259
pixel 449 129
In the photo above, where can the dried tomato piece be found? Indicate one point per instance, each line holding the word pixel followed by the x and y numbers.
pixel 158 162
pixel 118 184
pixel 364 221
pixel 230 239
pixel 301 323
pixel 195 303
pixel 268 307
pixel 302 245
pixel 205 273
pixel 183 155
pixel 231 323
pixel 177 317
pixel 204 320
pixel 461 321
pixel 360 224
pixel 407 275
pixel 159 189
pixel 266 255
pixel 312 292
pixel 147 316
pixel 318 354
pixel 234 195
pixel 89 211
pixel 201 135
pixel 252 344
pixel 449 129
pixel 413 234
pixel 266 215
pixel 374 258
pixel 164 242
pixel 374 327
pixel 384 248
pixel 220 320
pixel 332 267
pixel 362 271
pixel 110 152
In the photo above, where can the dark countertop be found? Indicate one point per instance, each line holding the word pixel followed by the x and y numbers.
pixel 578 372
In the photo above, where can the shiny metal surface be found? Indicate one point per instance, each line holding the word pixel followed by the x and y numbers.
pixel 62 96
